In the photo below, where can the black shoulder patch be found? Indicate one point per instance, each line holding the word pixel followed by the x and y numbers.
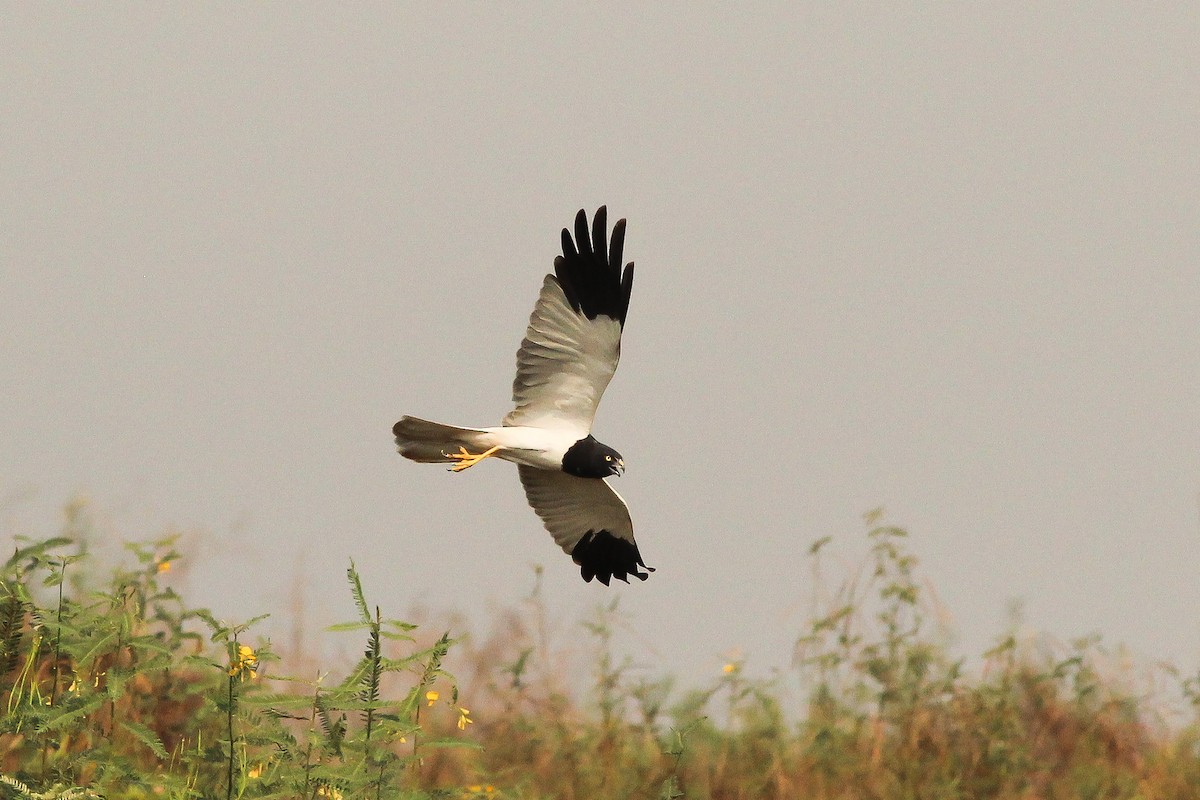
pixel 590 273
pixel 604 556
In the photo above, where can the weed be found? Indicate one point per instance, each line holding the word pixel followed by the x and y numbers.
pixel 111 686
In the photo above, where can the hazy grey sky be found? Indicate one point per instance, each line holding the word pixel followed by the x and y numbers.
pixel 943 259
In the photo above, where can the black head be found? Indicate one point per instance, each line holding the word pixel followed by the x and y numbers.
pixel 587 458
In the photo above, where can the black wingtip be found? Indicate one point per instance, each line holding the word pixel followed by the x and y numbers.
pixel 589 270
pixel 602 556
pixel 617 248
pixel 568 245
pixel 581 234
pixel 599 228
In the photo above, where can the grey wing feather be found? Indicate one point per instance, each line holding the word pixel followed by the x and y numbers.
pixel 564 364
pixel 570 507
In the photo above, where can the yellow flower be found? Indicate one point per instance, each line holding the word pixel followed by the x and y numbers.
pixel 163 567
pixel 246 661
pixel 432 697
pixel 728 668
pixel 255 771
pixel 329 791
pixel 463 719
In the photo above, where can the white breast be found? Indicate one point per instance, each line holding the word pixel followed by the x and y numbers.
pixel 542 448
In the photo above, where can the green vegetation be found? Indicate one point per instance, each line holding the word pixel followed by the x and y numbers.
pixel 111 686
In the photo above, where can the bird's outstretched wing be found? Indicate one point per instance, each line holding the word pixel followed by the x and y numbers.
pixel 573 342
pixel 588 520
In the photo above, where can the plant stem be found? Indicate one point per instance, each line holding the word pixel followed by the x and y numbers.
pixel 62 578
pixel 229 718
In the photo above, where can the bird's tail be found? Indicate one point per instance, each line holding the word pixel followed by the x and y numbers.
pixel 429 442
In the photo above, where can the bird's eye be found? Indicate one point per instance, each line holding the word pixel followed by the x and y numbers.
pixel 608 458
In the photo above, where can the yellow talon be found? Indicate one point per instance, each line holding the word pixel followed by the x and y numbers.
pixel 466 460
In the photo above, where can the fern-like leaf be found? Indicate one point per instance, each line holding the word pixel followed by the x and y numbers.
pixel 34 551
pixel 21 791
pixel 370 682
pixel 146 737
pixel 73 714
pixel 12 617
pixel 356 589
pixel 334 730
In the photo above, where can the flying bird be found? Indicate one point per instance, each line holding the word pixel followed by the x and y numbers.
pixel 565 362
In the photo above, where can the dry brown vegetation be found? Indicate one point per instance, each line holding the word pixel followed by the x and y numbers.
pixel 112 686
